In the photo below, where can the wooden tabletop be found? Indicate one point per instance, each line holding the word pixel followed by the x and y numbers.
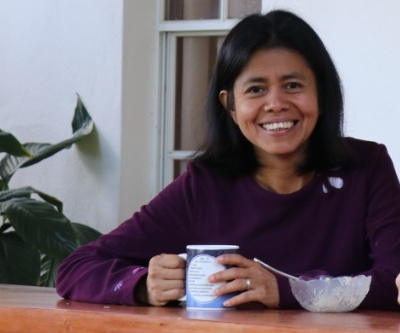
pixel 34 309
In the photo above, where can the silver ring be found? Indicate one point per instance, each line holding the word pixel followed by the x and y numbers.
pixel 248 284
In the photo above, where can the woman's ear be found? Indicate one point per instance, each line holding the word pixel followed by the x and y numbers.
pixel 226 101
pixel 223 98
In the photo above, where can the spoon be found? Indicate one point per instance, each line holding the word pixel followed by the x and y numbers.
pixel 277 271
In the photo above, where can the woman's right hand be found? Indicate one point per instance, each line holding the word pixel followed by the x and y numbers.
pixel 166 279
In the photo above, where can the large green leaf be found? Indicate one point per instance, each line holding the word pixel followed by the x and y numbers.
pixel 10 163
pixel 84 233
pixel 23 192
pixel 42 226
pixel 82 123
pixel 10 144
pixel 49 266
pixel 82 126
pixel 19 262
pixel 48 271
pixel 26 192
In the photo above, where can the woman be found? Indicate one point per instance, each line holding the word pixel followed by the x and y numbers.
pixel 274 176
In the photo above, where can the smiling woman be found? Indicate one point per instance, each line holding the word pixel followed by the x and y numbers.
pixel 276 108
pixel 274 169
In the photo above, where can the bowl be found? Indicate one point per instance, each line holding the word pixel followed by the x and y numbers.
pixel 330 294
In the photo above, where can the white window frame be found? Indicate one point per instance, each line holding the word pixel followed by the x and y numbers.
pixel 169 32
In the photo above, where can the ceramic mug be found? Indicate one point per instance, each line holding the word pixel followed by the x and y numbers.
pixel 200 264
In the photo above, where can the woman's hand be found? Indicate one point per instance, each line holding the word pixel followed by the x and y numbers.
pixel 398 288
pixel 254 282
pixel 166 279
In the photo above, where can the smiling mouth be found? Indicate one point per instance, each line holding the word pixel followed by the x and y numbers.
pixel 285 125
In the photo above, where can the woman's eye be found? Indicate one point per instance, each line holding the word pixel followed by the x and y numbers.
pixel 293 85
pixel 255 90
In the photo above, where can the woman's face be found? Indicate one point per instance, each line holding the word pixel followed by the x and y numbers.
pixel 275 102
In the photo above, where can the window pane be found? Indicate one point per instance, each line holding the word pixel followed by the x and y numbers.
pixel 192 9
pixel 195 60
pixel 240 8
pixel 179 167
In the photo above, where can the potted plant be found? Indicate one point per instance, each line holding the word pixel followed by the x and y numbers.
pixel 35 235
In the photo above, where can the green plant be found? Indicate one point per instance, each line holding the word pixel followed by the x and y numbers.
pixel 35 235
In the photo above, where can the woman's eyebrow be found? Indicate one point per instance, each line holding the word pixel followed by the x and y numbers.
pixel 293 75
pixel 254 79
pixel 288 76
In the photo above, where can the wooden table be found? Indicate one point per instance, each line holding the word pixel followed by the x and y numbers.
pixel 34 309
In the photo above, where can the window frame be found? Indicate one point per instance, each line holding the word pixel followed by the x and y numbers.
pixel 168 155
pixel 169 32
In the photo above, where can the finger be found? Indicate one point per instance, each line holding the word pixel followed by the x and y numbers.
pixel 398 287
pixel 229 274
pixel 164 285
pixel 159 273
pixel 160 298
pixel 167 261
pixel 233 259
pixel 231 287
pixel 162 291
pixel 166 267
pixel 245 297
pixel 267 296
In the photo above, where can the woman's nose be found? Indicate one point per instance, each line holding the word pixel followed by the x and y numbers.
pixel 275 101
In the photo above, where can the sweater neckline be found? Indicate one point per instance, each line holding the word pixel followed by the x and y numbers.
pixel 310 186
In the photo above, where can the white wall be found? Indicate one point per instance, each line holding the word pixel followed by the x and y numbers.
pixel 139 106
pixel 51 50
pixel 362 37
pixel 107 51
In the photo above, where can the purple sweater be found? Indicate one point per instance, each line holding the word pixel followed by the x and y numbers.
pixel 341 223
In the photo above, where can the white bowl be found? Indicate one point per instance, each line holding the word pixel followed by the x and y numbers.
pixel 331 294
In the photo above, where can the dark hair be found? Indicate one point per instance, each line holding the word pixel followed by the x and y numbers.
pixel 226 150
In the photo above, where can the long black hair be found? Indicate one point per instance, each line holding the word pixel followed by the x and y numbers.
pixel 226 150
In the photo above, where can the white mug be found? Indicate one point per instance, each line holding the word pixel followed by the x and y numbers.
pixel 200 264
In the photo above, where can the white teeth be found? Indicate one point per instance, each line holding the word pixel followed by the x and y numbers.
pixel 278 126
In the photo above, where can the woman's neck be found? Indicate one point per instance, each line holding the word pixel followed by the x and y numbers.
pixel 281 178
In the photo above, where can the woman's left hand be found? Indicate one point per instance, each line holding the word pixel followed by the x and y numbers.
pixel 254 282
pixel 398 288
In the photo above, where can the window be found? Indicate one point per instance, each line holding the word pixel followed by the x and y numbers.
pixel 191 33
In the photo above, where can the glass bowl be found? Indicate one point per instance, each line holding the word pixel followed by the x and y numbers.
pixel 330 294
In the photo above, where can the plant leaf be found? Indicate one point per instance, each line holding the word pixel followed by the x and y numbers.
pixel 4 227
pixel 26 192
pixel 23 192
pixel 10 163
pixel 82 123
pixel 82 126
pixel 19 262
pixel 48 271
pixel 9 144
pixel 84 233
pixel 40 225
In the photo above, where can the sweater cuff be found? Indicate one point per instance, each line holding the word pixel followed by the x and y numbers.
pixel 124 290
pixel 286 297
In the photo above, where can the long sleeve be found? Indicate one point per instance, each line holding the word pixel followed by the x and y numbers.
pixel 108 270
